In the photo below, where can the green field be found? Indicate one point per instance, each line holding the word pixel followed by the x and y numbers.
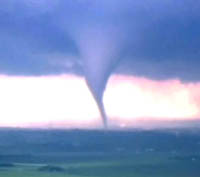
pixel 41 154
pixel 141 165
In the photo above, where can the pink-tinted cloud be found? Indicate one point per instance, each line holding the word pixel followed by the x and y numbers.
pixel 65 101
pixel 131 101
pixel 33 101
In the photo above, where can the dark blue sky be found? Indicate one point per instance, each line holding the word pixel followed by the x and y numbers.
pixel 151 38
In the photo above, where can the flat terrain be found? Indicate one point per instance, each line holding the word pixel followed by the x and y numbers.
pixel 82 153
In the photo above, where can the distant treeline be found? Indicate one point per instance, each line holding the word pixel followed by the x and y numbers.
pixel 18 141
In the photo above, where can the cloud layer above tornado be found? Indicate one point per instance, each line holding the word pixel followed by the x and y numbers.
pixel 151 38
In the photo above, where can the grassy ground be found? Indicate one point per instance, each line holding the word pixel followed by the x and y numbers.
pixel 31 153
pixel 141 165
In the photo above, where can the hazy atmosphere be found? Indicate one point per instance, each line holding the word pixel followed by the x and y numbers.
pixel 99 88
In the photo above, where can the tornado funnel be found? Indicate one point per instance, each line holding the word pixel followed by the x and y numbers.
pixel 96 74
pixel 98 96
pixel 99 50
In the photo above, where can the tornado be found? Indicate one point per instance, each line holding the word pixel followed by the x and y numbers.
pixel 99 49
pixel 97 72
pixel 98 96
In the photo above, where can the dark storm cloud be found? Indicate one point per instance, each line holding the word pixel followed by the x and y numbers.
pixel 152 38
pixel 27 36
pixel 157 39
